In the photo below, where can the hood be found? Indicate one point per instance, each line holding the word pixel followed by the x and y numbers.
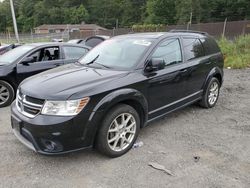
pixel 61 83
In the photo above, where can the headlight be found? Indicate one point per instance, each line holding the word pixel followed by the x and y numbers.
pixel 64 108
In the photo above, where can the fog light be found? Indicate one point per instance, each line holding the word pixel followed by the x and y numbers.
pixel 56 134
pixel 51 146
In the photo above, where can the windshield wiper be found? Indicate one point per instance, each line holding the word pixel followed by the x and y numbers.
pixel 94 62
pixel 102 65
pixel 91 62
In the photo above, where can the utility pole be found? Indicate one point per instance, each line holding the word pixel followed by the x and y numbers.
pixel 117 24
pixel 14 20
pixel 190 20
pixel 224 28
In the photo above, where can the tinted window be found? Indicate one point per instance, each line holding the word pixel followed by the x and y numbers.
pixel 92 42
pixel 192 48
pixel 169 51
pixel 73 52
pixel 210 46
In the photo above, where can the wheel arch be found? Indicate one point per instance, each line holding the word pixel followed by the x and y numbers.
pixel 10 83
pixel 219 77
pixel 11 93
pixel 131 97
pixel 215 72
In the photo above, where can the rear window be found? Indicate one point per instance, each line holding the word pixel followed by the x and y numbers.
pixel 192 48
pixel 94 41
pixel 210 46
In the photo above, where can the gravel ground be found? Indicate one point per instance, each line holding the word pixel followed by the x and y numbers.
pixel 219 137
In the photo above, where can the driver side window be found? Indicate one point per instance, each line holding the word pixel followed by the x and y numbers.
pixel 46 54
pixel 35 56
pixel 169 51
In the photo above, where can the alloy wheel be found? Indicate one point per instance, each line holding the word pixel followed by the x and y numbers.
pixel 4 94
pixel 213 93
pixel 121 132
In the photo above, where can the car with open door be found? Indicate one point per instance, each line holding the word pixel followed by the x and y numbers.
pixel 116 89
pixel 30 59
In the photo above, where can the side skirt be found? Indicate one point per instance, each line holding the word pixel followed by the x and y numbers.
pixel 174 106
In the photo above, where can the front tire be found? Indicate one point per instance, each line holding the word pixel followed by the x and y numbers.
pixel 119 131
pixel 211 94
pixel 7 94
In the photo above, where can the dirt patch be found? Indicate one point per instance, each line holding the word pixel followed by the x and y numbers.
pixel 203 147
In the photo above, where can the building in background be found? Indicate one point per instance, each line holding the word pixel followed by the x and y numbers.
pixel 59 28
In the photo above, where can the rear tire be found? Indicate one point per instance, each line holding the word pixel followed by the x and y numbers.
pixel 7 94
pixel 211 93
pixel 119 131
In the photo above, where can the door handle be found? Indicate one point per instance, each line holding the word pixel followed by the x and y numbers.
pixel 164 78
pixel 183 70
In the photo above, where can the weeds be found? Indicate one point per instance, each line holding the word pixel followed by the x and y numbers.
pixel 237 52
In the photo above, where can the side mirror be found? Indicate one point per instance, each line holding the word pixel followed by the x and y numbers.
pixel 27 60
pixel 155 64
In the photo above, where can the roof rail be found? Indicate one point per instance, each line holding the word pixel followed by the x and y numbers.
pixel 188 31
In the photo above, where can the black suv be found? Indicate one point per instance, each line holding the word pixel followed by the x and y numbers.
pixel 30 59
pixel 115 90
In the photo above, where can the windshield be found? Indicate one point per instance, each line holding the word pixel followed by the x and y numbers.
pixel 13 55
pixel 121 53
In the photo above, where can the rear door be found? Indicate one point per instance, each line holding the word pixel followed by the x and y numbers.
pixel 196 64
pixel 43 59
pixel 72 53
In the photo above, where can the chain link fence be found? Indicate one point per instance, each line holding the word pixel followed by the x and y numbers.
pixel 32 37
pixel 228 29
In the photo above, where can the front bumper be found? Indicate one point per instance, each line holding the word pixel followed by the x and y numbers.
pixel 23 140
pixel 52 135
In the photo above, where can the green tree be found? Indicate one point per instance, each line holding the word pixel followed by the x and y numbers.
pixel 231 9
pixel 25 19
pixel 128 12
pixel 78 15
pixel 133 12
pixel 41 15
pixel 184 9
pixel 105 12
pixel 5 17
pixel 160 11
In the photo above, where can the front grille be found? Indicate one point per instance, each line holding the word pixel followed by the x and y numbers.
pixel 28 106
pixel 34 100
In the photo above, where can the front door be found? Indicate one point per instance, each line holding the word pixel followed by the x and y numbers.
pixel 42 60
pixel 166 87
